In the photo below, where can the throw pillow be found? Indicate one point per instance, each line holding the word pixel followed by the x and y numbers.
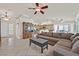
pixel 75 47
pixel 74 40
pixel 73 36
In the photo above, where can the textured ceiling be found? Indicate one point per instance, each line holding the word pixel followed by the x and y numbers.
pixel 55 10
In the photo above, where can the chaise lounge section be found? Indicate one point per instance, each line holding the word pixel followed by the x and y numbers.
pixel 63 44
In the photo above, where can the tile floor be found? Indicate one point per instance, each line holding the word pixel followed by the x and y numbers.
pixel 19 47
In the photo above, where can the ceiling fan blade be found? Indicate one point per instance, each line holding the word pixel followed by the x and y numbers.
pixel 35 12
pixel 5 14
pixel 44 7
pixel 31 8
pixel 2 17
pixel 37 4
pixel 42 12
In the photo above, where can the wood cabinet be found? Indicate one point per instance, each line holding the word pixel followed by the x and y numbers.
pixel 26 34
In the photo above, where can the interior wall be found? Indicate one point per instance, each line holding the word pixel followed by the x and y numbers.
pixel 19 26
pixel 4 29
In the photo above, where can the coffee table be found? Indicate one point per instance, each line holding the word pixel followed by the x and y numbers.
pixel 40 42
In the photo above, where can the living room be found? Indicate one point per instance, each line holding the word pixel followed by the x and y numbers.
pixel 20 23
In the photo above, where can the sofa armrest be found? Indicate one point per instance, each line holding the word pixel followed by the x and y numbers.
pixel 64 52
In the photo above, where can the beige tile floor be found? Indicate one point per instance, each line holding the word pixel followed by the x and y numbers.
pixel 19 47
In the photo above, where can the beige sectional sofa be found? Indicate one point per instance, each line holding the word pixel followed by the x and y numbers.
pixel 63 44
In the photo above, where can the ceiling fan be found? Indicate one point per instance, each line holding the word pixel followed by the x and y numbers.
pixel 5 16
pixel 39 8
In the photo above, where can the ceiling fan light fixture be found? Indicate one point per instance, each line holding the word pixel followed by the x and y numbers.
pixel 6 18
pixel 37 9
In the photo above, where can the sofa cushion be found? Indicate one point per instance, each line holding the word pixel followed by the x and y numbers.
pixel 65 43
pixel 59 50
pixel 73 36
pixel 54 39
pixel 51 51
pixel 46 34
pixel 57 35
pixel 60 46
pixel 74 40
pixel 43 37
pixel 63 35
pixel 52 43
pixel 75 47
pixel 43 33
pixel 50 34
pixel 68 35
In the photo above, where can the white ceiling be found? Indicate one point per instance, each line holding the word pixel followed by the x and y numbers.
pixel 63 11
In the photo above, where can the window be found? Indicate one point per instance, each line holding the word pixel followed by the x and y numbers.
pixel 11 29
pixel 66 28
pixel 61 28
